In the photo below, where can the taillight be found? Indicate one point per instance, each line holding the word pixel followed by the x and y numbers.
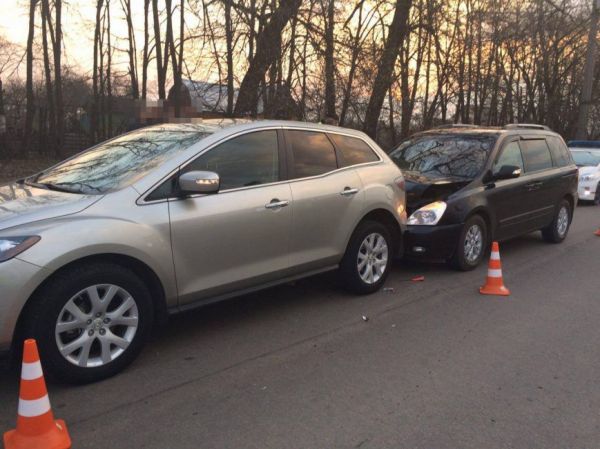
pixel 400 182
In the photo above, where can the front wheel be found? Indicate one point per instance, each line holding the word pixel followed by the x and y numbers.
pixel 471 245
pixel 367 260
pixel 90 322
pixel 557 230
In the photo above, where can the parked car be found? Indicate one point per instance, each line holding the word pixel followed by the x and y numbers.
pixel 587 157
pixel 467 186
pixel 98 248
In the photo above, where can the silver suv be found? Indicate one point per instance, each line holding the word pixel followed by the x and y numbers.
pixel 100 247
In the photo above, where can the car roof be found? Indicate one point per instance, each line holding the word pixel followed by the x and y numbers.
pixel 237 124
pixel 477 131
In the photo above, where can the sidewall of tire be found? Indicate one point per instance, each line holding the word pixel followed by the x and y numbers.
pixel 349 276
pixel 48 303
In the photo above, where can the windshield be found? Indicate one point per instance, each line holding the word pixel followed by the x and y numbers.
pixel 583 158
pixel 444 156
pixel 119 162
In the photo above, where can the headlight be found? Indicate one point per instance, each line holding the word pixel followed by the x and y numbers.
pixel 12 246
pixel 428 215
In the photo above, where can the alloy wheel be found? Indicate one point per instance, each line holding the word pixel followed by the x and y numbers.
pixel 372 258
pixel 96 325
pixel 473 244
pixel 562 222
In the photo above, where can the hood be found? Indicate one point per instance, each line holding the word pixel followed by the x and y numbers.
pixel 588 170
pixel 21 204
pixel 421 190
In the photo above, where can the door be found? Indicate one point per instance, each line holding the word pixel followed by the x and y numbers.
pixel 328 201
pixel 543 181
pixel 507 197
pixel 239 237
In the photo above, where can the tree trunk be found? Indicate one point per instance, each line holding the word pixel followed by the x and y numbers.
pixel 58 98
pixel 266 53
pixel 51 118
pixel 329 62
pixel 396 35
pixel 30 111
pixel 229 49
pixel 158 50
pixel 145 55
pixel 132 50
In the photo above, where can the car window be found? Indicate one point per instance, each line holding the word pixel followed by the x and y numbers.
pixel 354 151
pixel 559 151
pixel 444 156
pixel 313 153
pixel 510 155
pixel 248 160
pixel 586 158
pixel 536 155
pixel 120 162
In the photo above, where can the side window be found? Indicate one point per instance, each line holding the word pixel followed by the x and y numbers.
pixel 536 155
pixel 354 151
pixel 313 153
pixel 559 151
pixel 248 160
pixel 510 155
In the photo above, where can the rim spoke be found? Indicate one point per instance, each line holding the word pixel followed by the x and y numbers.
pixel 74 310
pixel 94 297
pixel 115 340
pixel 125 321
pixel 66 326
pixel 70 348
pixel 108 297
pixel 105 350
pixel 122 309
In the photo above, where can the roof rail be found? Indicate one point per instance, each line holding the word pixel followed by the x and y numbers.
pixel 455 125
pixel 526 126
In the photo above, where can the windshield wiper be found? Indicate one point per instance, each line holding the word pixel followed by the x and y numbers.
pixel 50 186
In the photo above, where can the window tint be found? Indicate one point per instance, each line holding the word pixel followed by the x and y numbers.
pixel 536 155
pixel 444 156
pixel 510 155
pixel 247 160
pixel 313 153
pixel 560 153
pixel 354 151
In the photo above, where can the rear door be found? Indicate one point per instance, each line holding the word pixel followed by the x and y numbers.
pixel 543 181
pixel 328 200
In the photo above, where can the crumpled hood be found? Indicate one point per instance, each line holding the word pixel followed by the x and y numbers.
pixel 21 204
pixel 421 190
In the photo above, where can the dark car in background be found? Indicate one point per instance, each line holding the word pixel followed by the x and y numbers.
pixel 469 185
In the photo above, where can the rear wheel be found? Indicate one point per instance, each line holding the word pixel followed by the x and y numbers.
pixel 471 245
pixel 557 231
pixel 90 322
pixel 365 265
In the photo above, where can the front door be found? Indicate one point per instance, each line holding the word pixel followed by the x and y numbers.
pixel 239 237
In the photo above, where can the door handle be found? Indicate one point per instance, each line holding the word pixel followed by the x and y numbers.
pixel 534 185
pixel 276 204
pixel 348 191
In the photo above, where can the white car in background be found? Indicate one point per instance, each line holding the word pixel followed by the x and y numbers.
pixel 587 158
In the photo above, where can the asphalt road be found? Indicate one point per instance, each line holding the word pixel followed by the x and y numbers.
pixel 435 366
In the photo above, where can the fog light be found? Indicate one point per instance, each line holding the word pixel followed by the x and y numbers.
pixel 418 249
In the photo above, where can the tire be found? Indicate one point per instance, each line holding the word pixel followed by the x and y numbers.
pixel 357 280
pixel 467 256
pixel 557 230
pixel 597 195
pixel 131 323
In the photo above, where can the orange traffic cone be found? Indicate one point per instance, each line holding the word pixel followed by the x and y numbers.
pixel 494 285
pixel 36 427
pixel 597 232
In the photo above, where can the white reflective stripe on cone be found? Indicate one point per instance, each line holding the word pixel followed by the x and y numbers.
pixel 495 255
pixel 494 273
pixel 31 371
pixel 36 407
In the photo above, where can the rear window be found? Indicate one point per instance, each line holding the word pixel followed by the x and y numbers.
pixel 536 155
pixel 313 153
pixel 559 151
pixel 354 151
pixel 444 156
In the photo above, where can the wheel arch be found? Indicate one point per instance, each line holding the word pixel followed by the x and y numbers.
pixel 142 270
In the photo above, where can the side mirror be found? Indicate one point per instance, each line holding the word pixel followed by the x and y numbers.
pixel 198 182
pixel 508 172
